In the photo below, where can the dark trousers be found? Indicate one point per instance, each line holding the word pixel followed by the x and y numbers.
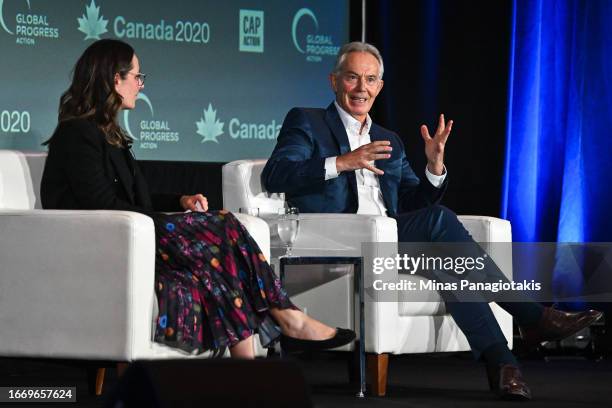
pixel 475 318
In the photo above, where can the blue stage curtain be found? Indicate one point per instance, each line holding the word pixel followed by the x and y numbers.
pixel 557 184
pixel 557 181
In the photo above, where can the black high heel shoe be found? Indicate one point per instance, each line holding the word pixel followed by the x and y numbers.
pixel 292 345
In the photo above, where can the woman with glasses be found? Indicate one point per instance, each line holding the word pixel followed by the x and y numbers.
pixel 214 287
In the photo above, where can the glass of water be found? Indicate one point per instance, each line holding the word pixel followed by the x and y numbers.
pixel 254 211
pixel 288 227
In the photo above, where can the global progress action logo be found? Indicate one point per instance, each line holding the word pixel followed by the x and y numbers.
pixel 152 130
pixel 30 25
pixel 93 24
pixel 308 40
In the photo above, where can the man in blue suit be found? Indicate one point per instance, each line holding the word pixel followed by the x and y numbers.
pixel 336 160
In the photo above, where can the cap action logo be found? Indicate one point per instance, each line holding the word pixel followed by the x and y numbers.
pixel 317 45
pixel 92 24
pixel 251 31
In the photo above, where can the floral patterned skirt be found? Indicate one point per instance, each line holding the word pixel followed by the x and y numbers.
pixel 214 286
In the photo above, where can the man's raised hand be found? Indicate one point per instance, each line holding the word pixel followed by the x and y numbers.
pixel 364 156
pixel 434 146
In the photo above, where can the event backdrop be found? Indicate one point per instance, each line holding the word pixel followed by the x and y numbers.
pixel 221 75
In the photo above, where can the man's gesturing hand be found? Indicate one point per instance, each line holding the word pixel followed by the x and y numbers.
pixel 434 146
pixel 364 156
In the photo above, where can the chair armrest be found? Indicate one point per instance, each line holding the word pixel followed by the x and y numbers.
pixel 487 229
pixel 76 284
pixel 495 237
pixel 259 230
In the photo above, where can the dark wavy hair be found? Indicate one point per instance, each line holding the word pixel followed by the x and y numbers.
pixel 92 94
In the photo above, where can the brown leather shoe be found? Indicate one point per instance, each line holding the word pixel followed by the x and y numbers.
pixel 556 325
pixel 507 381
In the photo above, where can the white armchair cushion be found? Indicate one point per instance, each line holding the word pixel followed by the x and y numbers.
pixel 242 188
pixel 259 230
pixel 76 284
pixel 16 188
pixel 495 236
pixel 80 284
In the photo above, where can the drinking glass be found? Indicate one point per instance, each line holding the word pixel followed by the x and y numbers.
pixel 254 211
pixel 288 227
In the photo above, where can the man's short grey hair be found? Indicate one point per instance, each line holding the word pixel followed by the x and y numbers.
pixel 357 46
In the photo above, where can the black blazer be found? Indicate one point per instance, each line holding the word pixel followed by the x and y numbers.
pixel 83 171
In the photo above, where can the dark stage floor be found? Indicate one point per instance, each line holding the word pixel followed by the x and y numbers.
pixel 414 381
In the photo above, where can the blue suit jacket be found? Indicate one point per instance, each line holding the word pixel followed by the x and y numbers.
pixel 297 167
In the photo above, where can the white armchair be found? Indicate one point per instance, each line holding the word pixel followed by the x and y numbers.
pixel 78 284
pixel 398 327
